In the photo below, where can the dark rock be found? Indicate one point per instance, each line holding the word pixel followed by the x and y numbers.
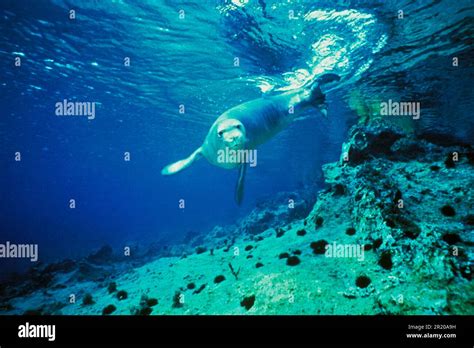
pixel 318 221
pixel 449 162
pixel 40 278
pixel 339 190
pixel 451 238
pixel 259 220
pixel 470 157
pixel 397 196
pixel 363 281
pixel 350 231
pixel 301 232
pixel 409 228
pixel 248 302
pixel 87 271
pixel 30 312
pixel 279 232
pixel 258 265
pixel 59 286
pixel 248 247
pixel 177 300
pixel 386 260
pixel 377 243
pixel 145 305
pixel 87 300
pixel 390 223
pixel 112 287
pixel 103 255
pixel 145 311
pixel 218 279
pixel 151 302
pixel 122 295
pixel 109 309
pixel 435 168
pixel 468 220
pixel 293 261
pixel 448 210
pixel 319 247
pixel 52 308
pixel 441 139
pixel 284 256
pixel 267 217
pixel 191 286
pixel 365 143
pixel 65 266
pixel 6 307
pixel 200 250
pixel 407 149
pixel 300 211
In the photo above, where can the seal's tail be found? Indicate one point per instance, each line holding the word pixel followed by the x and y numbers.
pixel 317 98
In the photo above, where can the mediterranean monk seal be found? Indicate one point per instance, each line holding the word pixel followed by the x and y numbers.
pixel 238 131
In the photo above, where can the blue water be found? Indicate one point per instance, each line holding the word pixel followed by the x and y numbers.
pixel 190 61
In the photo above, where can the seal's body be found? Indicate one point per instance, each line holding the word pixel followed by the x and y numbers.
pixel 252 123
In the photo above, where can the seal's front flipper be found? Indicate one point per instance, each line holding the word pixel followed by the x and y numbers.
pixel 239 188
pixel 176 167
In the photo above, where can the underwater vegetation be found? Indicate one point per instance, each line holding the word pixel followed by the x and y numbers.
pixel 414 261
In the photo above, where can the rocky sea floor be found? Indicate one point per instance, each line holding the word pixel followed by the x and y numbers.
pixel 406 202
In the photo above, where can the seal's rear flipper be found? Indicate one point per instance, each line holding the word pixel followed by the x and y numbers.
pixel 176 167
pixel 317 98
pixel 239 188
pixel 327 78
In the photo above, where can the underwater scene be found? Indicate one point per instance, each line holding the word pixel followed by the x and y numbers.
pixel 239 157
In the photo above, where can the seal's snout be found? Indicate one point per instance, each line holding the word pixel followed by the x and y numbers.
pixel 232 137
pixel 232 133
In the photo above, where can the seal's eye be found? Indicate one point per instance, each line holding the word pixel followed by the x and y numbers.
pixel 219 134
pixel 238 126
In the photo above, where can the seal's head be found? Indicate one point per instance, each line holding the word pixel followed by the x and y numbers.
pixel 231 134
